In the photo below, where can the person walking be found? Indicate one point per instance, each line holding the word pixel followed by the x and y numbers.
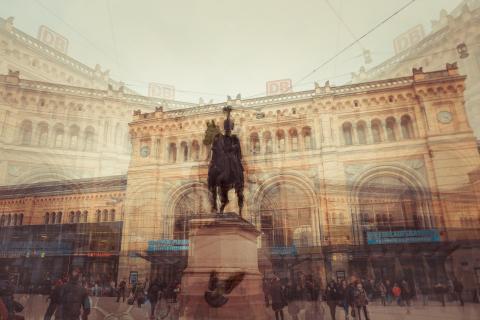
pixel 396 292
pixel 406 292
pixel 346 296
pixel 122 287
pixel 278 296
pixel 388 295
pixel 54 297
pixel 440 290
pixel 361 301
pixel 73 298
pixel 425 290
pixel 382 291
pixel 153 293
pixel 458 289
pixel 332 297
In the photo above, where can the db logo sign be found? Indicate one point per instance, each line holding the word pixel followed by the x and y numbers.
pixel 279 87
pixel 53 39
pixel 409 38
pixel 162 91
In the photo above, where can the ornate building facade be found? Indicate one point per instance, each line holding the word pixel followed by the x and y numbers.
pixel 327 171
pixel 60 119
pixel 360 179
pixel 455 36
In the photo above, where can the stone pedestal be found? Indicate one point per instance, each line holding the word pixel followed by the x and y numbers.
pixel 227 245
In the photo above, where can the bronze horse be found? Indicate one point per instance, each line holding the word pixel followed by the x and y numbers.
pixel 225 170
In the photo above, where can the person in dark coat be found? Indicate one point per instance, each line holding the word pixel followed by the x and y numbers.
pixel 54 297
pixel 332 297
pixel 458 289
pixel 279 300
pixel 361 301
pixel 153 294
pixel 122 287
pixel 74 298
pixel 406 293
pixel 343 294
pixel 6 295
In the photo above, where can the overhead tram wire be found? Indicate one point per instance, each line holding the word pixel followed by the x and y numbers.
pixel 346 47
pixel 355 41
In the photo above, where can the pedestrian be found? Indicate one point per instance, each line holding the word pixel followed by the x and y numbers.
pixel 406 292
pixel 440 290
pixel 388 295
pixel 139 294
pixel 6 295
pixel 396 292
pixel 153 293
pixel 278 296
pixel 458 289
pixel 346 295
pixel 122 287
pixel 54 297
pixel 73 298
pixel 361 301
pixel 332 297
pixel 382 291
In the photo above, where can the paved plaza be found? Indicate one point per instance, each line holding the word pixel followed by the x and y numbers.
pixel 106 308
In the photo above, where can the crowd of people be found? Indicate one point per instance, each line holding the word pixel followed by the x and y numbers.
pixel 303 297
pixel 351 296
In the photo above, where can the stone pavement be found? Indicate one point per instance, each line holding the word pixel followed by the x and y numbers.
pixel 105 308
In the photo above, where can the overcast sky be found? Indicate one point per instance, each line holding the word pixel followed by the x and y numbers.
pixel 214 48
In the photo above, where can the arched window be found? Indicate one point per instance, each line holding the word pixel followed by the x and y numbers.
pixel 361 133
pixel 184 149
pixel 47 218
pixel 72 217
pixel 53 216
pixel 20 219
pixel 74 132
pixel 307 138
pixel 391 127
pixel 105 215
pixel 26 132
pixel 2 220
pixel 89 139
pixel 376 131
pixel 59 217
pixel 85 216
pixel 254 143
pixel 407 127
pixel 293 138
pixel 15 219
pixel 267 141
pixel 58 134
pixel 281 140
pixel 172 152
pixel 347 133
pixel 42 130
pixel 195 150
pixel 112 215
pixel 9 220
pixel 78 215
pixel 391 204
pixel 99 215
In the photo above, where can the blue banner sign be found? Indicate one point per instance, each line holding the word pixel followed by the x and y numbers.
pixel 167 245
pixel 403 236
pixel 284 251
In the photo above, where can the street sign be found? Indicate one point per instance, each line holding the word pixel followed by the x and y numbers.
pixel 53 39
pixel 279 86
pixel 408 39
pixel 403 236
pixel 162 91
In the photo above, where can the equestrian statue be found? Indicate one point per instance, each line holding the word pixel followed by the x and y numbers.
pixel 225 170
